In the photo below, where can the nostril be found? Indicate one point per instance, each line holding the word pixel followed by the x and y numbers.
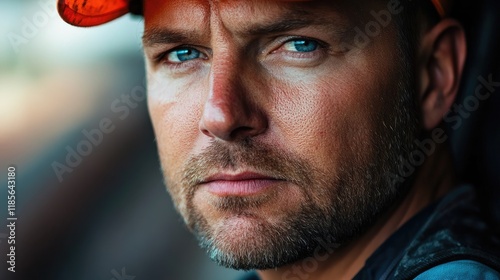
pixel 234 127
pixel 206 132
pixel 241 132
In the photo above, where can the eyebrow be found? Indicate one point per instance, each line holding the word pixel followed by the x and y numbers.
pixel 158 36
pixel 292 21
pixel 278 27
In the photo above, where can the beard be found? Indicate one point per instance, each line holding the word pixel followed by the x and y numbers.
pixel 335 207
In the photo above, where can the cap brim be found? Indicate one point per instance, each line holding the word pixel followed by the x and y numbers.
pixel 86 13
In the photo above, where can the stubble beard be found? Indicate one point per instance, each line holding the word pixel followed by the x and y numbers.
pixel 334 209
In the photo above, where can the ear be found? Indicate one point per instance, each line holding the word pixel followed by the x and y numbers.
pixel 441 61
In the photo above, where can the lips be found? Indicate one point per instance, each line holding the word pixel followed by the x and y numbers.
pixel 241 184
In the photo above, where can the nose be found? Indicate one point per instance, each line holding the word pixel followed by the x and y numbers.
pixel 231 111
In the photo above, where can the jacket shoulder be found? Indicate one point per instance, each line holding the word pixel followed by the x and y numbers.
pixel 462 269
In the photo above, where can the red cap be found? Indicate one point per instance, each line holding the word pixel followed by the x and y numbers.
pixel 87 13
pixel 91 12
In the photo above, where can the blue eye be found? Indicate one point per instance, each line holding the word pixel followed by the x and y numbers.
pixel 182 55
pixel 302 45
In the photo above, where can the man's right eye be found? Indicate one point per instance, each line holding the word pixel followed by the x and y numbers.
pixel 182 55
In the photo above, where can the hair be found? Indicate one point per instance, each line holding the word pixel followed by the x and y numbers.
pixel 416 18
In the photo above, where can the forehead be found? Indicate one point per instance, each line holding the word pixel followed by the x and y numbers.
pixel 186 14
pixel 176 12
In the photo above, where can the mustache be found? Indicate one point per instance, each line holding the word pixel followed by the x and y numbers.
pixel 246 155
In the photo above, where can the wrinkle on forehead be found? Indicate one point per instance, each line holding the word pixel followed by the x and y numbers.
pixel 176 13
pixel 195 21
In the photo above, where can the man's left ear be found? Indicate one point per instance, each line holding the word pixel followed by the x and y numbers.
pixel 441 61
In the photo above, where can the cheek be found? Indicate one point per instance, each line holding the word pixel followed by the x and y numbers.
pixel 327 118
pixel 175 109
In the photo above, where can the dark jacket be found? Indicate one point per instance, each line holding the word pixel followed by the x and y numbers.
pixel 453 228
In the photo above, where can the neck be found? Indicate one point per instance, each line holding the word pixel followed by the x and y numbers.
pixel 432 180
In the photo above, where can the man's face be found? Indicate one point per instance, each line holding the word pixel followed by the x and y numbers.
pixel 273 135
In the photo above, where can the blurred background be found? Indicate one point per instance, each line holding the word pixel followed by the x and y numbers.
pixel 91 204
pixel 110 211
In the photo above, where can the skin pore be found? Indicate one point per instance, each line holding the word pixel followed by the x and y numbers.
pixel 262 93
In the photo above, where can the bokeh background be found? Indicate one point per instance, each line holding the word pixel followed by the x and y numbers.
pixel 111 211
pixel 110 216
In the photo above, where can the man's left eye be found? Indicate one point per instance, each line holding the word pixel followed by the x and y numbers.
pixel 301 45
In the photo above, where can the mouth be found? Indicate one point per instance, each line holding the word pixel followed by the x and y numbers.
pixel 240 184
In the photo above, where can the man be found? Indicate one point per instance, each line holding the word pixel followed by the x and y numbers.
pixel 303 139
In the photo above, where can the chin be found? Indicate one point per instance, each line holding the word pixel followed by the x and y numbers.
pixel 248 243
pixel 257 238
